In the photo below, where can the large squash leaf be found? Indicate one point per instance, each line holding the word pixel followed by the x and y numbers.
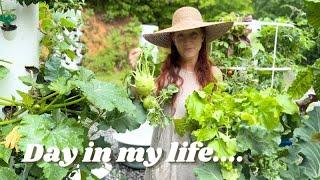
pixel 7 174
pixel 5 153
pixel 61 85
pixel 310 132
pixel 54 70
pixel 53 171
pixel 106 96
pixel 55 130
pixel 121 121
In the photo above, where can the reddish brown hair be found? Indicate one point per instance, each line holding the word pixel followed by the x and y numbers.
pixel 170 69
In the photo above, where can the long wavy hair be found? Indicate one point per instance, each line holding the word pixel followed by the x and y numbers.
pixel 170 69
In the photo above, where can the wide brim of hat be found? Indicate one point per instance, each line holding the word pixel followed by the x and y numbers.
pixel 214 30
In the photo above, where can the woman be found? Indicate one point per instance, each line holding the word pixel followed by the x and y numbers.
pixel 189 68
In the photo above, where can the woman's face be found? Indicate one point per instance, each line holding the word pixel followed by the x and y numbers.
pixel 188 42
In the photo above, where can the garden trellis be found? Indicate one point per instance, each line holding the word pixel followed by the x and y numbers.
pixel 274 57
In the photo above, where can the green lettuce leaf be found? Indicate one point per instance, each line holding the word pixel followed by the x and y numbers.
pixel 224 145
pixel 184 125
pixel 205 134
pixel 195 106
pixel 287 104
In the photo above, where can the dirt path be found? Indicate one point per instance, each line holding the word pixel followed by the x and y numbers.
pixel 96 30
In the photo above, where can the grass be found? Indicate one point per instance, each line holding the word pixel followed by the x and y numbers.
pixel 115 77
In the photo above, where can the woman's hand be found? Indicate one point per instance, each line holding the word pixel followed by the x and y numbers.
pixel 133 56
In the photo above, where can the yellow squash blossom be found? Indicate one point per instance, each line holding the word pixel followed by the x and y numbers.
pixel 12 139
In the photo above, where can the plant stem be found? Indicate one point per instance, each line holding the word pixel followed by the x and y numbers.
pixel 5 104
pixel 5 99
pixel 72 111
pixel 49 105
pixel 26 170
pixel 22 110
pixel 68 104
pixel 48 97
pixel 2 123
pixel 10 104
pixel 72 98
pixel 10 101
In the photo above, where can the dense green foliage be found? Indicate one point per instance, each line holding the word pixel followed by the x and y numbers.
pixel 241 116
pixel 53 26
pixel 60 107
pixel 251 124
pixel 61 5
pixel 160 12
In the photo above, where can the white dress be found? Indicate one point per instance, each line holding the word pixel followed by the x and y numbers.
pixel 162 137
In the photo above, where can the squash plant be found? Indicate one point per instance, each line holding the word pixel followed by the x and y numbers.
pixel 58 111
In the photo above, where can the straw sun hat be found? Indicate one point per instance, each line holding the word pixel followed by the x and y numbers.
pixel 188 18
